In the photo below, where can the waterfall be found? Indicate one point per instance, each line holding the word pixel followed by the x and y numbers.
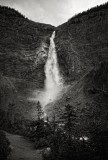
pixel 53 78
pixel 53 82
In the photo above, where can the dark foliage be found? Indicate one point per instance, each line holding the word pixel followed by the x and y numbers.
pixel 4 146
pixel 40 112
pixel 10 12
pixel 94 11
pixel 81 43
pixel 73 147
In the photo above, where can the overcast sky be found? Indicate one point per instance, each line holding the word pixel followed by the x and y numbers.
pixel 54 12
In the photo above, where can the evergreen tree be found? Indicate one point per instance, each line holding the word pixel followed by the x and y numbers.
pixel 39 111
pixel 70 118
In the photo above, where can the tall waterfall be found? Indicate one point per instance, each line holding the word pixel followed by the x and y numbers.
pixel 53 82
pixel 53 78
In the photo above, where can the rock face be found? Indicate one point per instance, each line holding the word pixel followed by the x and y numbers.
pixel 82 42
pixel 23 51
pixel 23 44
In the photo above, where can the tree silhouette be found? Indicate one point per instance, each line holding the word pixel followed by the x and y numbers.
pixel 39 111
pixel 70 118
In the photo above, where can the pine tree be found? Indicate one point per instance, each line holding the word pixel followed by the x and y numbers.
pixel 40 122
pixel 40 111
pixel 70 118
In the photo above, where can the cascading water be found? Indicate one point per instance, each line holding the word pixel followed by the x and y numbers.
pixel 51 67
pixel 53 84
pixel 53 81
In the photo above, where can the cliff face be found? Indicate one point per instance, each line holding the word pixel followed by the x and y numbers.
pixel 82 42
pixel 23 45
pixel 23 51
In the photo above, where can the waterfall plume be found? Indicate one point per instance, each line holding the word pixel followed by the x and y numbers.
pixel 52 74
pixel 53 83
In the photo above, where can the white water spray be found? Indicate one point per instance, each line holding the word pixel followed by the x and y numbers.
pixel 53 84
pixel 53 81
pixel 51 68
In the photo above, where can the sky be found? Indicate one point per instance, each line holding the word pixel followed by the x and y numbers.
pixel 54 12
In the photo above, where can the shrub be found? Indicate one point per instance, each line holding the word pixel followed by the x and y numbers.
pixel 41 143
pixel 4 146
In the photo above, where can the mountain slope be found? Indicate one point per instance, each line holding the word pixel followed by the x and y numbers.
pixel 22 44
pixel 82 50
pixel 89 99
pixel 23 51
pixel 82 42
